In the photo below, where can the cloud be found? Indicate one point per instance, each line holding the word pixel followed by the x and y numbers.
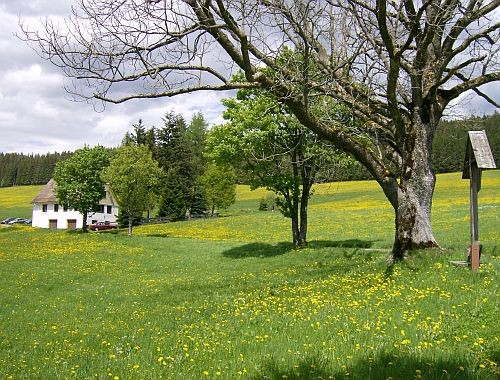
pixel 37 116
pixel 37 8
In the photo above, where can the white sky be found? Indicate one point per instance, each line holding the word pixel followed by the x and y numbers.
pixel 36 115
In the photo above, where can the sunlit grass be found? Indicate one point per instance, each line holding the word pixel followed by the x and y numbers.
pixel 16 201
pixel 228 298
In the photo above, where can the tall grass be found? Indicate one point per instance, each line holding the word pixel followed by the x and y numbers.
pixel 229 298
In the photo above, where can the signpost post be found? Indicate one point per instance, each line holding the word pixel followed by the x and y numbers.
pixel 478 156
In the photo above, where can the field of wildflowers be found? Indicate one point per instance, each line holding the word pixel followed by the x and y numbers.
pixel 229 298
pixel 16 201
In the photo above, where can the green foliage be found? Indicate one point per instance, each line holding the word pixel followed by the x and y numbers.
pixel 79 182
pixel 172 150
pixel 123 219
pixel 267 203
pixel 19 169
pixel 140 136
pixel 274 150
pixel 133 176
pixel 450 139
pixel 175 196
pixel 179 150
pixel 448 151
pixel 175 155
pixel 196 138
pixel 219 185
pixel 198 202
pixel 263 205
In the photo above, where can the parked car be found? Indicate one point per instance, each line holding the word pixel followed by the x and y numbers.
pixel 100 226
pixel 18 221
pixel 7 221
pixel 28 221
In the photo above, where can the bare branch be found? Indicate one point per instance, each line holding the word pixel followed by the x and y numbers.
pixel 172 93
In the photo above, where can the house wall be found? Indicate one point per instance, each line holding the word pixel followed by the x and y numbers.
pixel 103 217
pixel 41 219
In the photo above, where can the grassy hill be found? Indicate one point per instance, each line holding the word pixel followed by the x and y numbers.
pixel 229 298
pixel 16 201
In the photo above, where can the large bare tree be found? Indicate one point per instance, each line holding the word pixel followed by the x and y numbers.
pixel 396 64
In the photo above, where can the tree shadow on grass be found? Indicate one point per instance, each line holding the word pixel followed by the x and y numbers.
pixel 349 243
pixel 261 250
pixel 382 367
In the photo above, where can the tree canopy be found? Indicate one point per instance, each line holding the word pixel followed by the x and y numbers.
pixel 396 65
pixel 133 176
pixel 79 183
pixel 274 151
pixel 219 186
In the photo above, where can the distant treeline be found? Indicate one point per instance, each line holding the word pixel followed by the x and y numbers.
pixel 448 155
pixel 18 169
pixel 448 150
pixel 449 143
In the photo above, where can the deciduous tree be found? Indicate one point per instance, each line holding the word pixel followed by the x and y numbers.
pixel 79 183
pixel 219 186
pixel 274 150
pixel 397 65
pixel 133 177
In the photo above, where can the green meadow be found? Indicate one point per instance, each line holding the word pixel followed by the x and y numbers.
pixel 229 298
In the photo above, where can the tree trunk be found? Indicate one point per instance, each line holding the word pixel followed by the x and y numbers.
pixel 294 202
pixel 307 181
pixel 415 191
pixel 84 225
pixel 303 222
pixel 130 222
pixel 295 229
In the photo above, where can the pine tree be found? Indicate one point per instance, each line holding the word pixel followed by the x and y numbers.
pixel 175 156
pixel 175 200
pixel 196 135
pixel 123 219
pixel 198 202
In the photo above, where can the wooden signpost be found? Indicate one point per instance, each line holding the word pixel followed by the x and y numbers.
pixel 478 157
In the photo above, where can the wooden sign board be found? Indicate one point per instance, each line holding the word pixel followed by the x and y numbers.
pixel 478 157
pixel 478 150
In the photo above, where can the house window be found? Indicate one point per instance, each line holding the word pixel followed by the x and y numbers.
pixel 44 208
pixel 56 207
pixel 65 208
pixel 108 210
pixel 100 209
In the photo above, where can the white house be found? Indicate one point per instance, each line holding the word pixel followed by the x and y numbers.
pixel 48 213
